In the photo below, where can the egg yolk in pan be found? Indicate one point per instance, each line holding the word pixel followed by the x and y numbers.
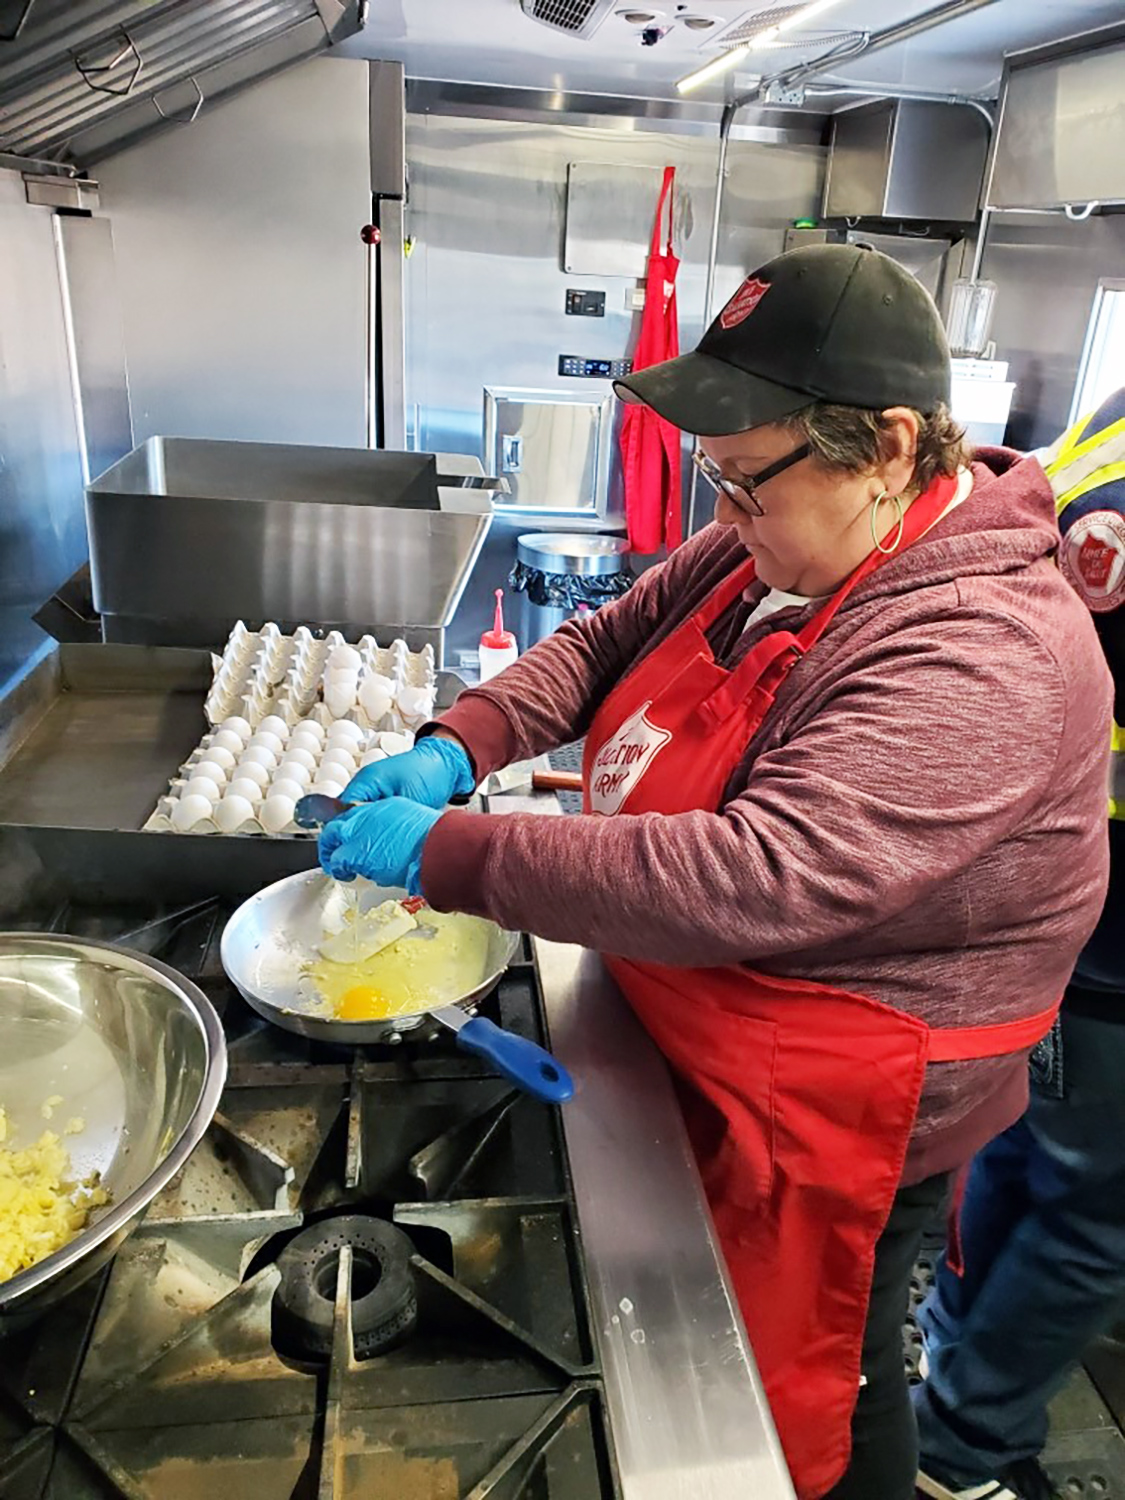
pixel 437 964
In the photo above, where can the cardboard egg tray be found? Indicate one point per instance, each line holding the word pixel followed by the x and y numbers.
pixel 245 780
pixel 265 674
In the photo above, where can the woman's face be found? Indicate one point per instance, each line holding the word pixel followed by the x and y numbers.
pixel 816 527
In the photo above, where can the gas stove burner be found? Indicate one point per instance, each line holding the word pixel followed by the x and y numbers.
pixel 384 1307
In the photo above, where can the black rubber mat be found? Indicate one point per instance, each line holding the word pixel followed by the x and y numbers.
pixel 568 758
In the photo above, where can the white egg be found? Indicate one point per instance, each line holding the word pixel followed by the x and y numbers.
pixel 272 742
pixel 333 769
pixel 202 786
pixel 345 656
pixel 285 786
pixel 374 698
pixel 275 724
pixel 344 729
pixel 252 770
pixel 257 755
pixel 372 756
pixel 416 702
pixel 236 726
pixel 327 788
pixel 294 771
pixel 276 813
pixel 226 739
pixel 212 770
pixel 232 812
pixel 304 754
pixel 339 698
pixel 219 755
pixel 190 811
pixel 311 726
pixel 247 788
pixel 395 744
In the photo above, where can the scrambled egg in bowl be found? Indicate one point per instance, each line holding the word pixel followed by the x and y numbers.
pixel 41 1208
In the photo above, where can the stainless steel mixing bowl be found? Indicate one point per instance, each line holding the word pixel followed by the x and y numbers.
pixel 133 1050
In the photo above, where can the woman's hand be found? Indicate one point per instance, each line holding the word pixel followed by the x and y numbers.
pixel 380 840
pixel 436 770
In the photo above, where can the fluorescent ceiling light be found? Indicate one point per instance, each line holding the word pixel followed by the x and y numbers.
pixel 714 69
pixel 727 60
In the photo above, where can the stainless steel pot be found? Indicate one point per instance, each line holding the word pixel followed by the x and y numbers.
pixel 133 1050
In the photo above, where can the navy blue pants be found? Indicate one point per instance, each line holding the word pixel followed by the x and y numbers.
pixel 1043 1241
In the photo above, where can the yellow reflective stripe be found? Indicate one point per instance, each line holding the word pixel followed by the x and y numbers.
pixel 1118 739
pixel 1105 475
pixel 1065 445
pixel 1116 809
pixel 1072 451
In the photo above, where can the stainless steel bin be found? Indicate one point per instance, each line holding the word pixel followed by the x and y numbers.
pixel 556 571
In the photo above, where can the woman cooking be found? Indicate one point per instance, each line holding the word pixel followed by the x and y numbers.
pixel 844 828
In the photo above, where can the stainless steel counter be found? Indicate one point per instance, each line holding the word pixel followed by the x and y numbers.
pixel 687 1412
pixel 687 1409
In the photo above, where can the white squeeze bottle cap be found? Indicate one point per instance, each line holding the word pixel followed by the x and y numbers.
pixel 498 647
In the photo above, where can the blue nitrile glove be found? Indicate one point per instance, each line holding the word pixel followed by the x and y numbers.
pixel 433 772
pixel 381 840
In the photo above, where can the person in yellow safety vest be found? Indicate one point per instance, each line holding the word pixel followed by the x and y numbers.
pixel 1042 1225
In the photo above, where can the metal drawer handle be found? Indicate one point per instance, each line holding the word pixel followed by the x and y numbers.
pixel 512 455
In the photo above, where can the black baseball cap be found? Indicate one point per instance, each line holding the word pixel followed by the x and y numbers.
pixel 834 323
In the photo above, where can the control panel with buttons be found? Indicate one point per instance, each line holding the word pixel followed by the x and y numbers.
pixel 597 369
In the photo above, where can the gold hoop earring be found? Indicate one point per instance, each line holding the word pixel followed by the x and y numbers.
pixel 900 515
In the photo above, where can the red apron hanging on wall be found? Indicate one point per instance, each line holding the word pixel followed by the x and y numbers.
pixel 800 1097
pixel 650 446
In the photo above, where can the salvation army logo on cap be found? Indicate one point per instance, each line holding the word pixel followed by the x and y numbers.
pixel 1092 558
pixel 744 301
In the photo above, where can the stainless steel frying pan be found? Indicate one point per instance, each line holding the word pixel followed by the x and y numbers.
pixel 273 936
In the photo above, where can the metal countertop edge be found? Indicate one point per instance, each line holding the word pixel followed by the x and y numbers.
pixel 687 1411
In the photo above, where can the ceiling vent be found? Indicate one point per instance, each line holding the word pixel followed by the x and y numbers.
pixel 578 18
pixel 751 24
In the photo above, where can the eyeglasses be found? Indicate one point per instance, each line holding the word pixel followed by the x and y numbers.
pixel 744 492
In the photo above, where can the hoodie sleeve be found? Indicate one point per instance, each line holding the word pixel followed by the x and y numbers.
pixel 550 695
pixel 928 753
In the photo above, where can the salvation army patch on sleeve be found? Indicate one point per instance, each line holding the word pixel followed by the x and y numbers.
pixel 1092 557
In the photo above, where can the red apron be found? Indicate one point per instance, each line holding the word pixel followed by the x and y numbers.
pixel 801 1097
pixel 650 446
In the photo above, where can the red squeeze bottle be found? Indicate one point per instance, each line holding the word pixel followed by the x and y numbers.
pixel 498 647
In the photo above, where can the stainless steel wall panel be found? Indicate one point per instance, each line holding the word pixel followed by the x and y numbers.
pixel 42 527
pixel 1060 133
pixel 241 267
pixel 1047 270
pixel 485 283
pixel 96 340
pixel 609 213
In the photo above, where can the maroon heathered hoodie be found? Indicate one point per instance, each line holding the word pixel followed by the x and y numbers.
pixel 921 818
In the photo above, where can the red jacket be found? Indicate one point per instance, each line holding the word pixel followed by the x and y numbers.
pixel 965 669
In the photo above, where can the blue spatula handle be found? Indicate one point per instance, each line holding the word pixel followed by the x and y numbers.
pixel 524 1062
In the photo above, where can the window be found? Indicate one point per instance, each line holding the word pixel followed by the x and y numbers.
pixel 1102 369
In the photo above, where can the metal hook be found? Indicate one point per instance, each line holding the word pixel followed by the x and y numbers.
pixel 90 71
pixel 1077 215
pixel 182 119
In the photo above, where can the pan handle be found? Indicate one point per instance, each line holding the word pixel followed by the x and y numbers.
pixel 523 1061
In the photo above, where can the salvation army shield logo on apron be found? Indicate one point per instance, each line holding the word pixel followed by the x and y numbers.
pixel 623 760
